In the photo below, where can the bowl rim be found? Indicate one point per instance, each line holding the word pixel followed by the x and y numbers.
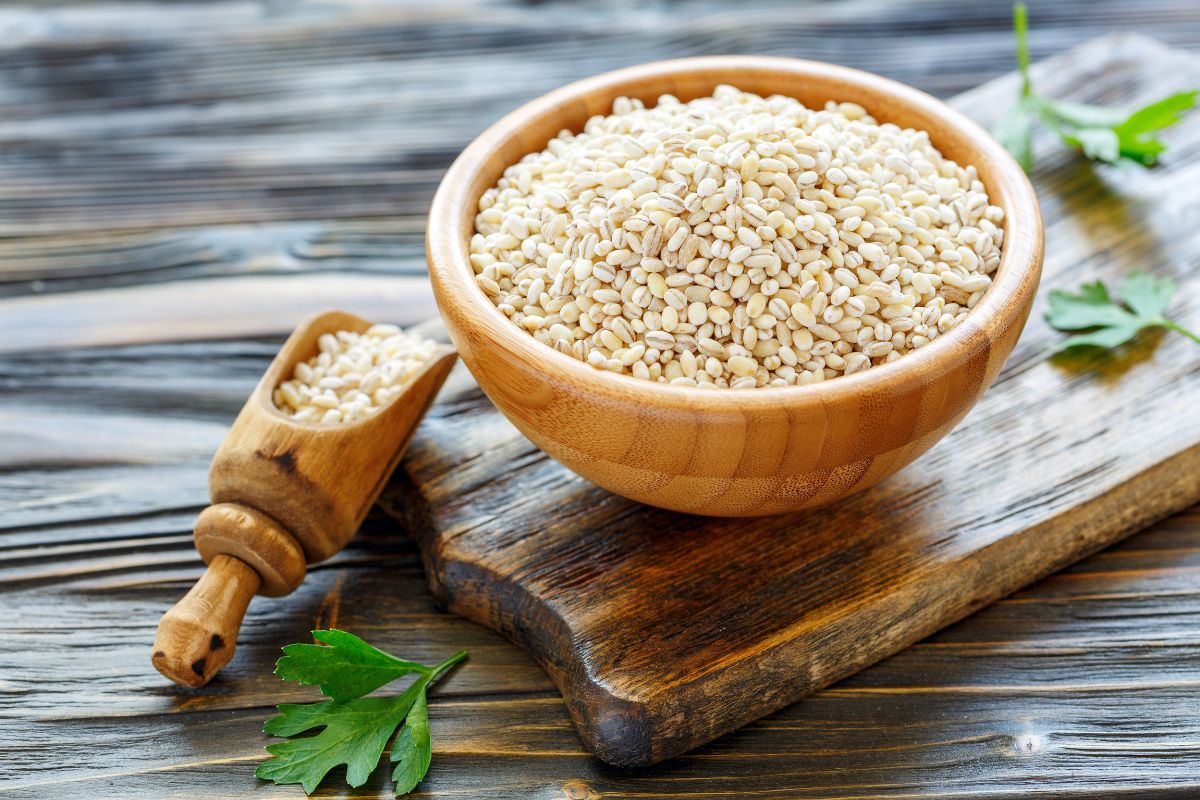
pixel 1006 303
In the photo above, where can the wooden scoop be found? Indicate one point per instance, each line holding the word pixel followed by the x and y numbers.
pixel 285 494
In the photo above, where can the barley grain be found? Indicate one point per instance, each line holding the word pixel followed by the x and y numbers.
pixel 730 242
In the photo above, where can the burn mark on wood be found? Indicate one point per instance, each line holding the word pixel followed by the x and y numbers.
pixel 286 460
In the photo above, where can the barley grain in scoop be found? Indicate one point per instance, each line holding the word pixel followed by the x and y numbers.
pixel 353 375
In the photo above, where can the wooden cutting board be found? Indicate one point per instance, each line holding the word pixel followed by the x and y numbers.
pixel 664 631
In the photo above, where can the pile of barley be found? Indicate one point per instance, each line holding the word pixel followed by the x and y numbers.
pixel 353 375
pixel 736 241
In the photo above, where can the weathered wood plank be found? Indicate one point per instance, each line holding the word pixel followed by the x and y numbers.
pixel 46 264
pixel 216 307
pixel 1084 681
pixel 205 115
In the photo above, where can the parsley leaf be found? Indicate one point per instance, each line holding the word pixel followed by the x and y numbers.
pixel 355 729
pixel 355 734
pixel 1103 134
pixel 1110 321
pixel 347 668
pixel 1106 135
pixel 411 753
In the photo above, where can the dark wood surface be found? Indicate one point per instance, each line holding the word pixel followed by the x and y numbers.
pixel 264 149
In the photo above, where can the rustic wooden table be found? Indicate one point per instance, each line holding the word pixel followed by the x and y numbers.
pixel 181 183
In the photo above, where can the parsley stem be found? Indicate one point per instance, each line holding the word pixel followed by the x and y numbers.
pixel 436 672
pixel 1021 28
pixel 1180 329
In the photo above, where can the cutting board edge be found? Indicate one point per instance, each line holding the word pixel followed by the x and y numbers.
pixel 615 729
pixel 630 732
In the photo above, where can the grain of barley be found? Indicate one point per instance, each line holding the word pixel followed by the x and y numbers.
pixel 733 242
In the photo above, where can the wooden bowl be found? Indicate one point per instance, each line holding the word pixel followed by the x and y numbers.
pixel 732 452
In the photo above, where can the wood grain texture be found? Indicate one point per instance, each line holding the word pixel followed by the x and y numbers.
pixel 604 593
pixel 730 453
pixel 284 492
pixel 235 137
pixel 204 309
pixel 1083 685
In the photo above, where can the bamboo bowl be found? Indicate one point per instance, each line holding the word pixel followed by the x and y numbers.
pixel 732 452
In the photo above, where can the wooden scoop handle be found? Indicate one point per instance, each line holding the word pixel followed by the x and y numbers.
pixel 198 635
pixel 247 553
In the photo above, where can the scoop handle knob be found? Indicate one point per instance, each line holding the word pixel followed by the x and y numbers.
pixel 199 634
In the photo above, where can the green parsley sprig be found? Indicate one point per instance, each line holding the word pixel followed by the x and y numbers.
pixel 1113 321
pixel 1103 134
pixel 355 728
